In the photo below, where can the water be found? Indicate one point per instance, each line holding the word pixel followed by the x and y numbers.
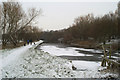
pixel 73 53
pixel 82 59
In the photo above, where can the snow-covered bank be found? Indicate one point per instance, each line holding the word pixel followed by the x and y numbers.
pixel 85 69
pixel 88 69
pixel 37 64
pixel 28 62
pixel 86 65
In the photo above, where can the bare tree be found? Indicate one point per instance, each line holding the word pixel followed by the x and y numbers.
pixel 119 9
pixel 119 18
pixel 32 14
pixel 0 19
pixel 0 25
pixel 12 15
pixel 14 20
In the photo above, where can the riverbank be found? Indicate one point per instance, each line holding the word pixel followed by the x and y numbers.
pixel 70 51
pixel 27 62
pixel 88 44
pixel 83 59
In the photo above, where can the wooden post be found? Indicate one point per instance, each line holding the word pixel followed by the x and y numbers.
pixel 111 64
pixel 110 52
pixel 104 61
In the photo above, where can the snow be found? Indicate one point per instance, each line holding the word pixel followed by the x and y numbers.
pixel 0 66
pixel 87 65
pixel 7 56
pixel 116 57
pixel 15 53
pixel 113 41
pixel 91 50
pixel 118 54
pixel 88 69
pixel 13 56
pixel 85 69
pixel 27 62
pixel 38 64
pixel 55 51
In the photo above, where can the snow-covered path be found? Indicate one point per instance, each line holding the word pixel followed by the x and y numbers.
pixel 7 57
pixel 14 55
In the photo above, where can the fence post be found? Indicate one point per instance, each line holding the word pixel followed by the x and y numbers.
pixel 110 52
pixel 104 61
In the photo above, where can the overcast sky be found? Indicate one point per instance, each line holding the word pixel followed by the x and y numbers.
pixel 59 14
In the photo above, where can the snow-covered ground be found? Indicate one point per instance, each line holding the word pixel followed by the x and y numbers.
pixel 27 62
pixel 37 64
pixel 0 66
pixel 85 69
pixel 113 41
pixel 115 57
pixel 88 69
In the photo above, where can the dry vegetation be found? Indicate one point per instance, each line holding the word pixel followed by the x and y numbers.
pixel 11 46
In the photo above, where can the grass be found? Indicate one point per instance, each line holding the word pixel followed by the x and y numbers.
pixel 11 46
pixel 85 44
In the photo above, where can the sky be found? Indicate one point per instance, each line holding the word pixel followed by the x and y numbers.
pixel 60 14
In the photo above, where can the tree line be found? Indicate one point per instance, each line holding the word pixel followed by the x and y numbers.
pixel 16 24
pixel 99 29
